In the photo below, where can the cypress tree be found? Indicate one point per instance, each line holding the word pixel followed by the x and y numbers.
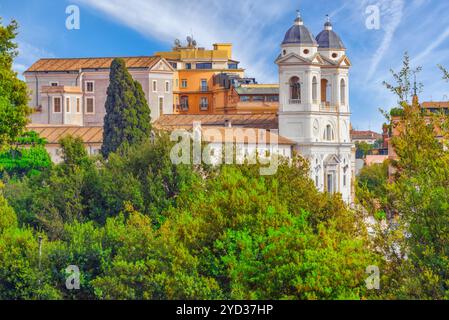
pixel 127 120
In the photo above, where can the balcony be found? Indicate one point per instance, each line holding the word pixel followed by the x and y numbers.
pixel 181 107
pixel 204 88
pixel 204 107
pixel 294 101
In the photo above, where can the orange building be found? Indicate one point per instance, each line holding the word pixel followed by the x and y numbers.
pixel 195 91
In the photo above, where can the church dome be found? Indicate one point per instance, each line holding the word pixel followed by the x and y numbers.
pixel 299 34
pixel 328 38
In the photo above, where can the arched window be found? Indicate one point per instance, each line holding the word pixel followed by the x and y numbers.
pixel 325 92
pixel 314 90
pixel 329 133
pixel 295 90
pixel 342 92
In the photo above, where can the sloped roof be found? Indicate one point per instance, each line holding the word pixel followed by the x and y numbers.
pixel 299 34
pixel 76 64
pixel 53 133
pixel 242 135
pixel 173 121
pixel 435 104
pixel 329 39
pixel 366 134
pixel 258 89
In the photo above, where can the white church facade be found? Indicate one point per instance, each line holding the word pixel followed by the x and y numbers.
pixel 314 107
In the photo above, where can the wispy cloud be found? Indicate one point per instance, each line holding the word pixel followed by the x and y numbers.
pixel 391 15
pixel 28 54
pixel 245 23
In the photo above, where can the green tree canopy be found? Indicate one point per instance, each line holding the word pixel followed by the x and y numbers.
pixel 14 108
pixel 127 120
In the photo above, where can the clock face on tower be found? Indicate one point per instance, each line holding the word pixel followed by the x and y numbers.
pixel 316 128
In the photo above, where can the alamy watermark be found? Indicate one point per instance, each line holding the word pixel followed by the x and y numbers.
pixel 229 145
pixel 73 280
pixel 373 280
pixel 73 21
pixel 372 21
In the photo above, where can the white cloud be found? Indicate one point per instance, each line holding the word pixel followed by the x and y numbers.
pixel 245 23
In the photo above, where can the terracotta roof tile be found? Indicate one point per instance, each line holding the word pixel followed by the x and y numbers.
pixel 54 133
pixel 262 121
pixel 75 64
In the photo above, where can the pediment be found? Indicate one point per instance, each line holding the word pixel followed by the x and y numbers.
pixel 327 61
pixel 332 159
pixel 162 65
pixel 344 62
pixel 317 59
pixel 293 58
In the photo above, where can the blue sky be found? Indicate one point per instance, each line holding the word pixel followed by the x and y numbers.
pixel 256 28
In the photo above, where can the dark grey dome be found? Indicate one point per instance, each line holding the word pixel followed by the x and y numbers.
pixel 329 39
pixel 299 34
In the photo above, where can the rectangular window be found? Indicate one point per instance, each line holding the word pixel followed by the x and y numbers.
pixel 204 104
pixel 245 98
pixel 90 87
pixel 188 66
pixel 167 86
pixel 154 85
pixel 184 103
pixel 174 65
pixel 78 105
pixel 184 83
pixel 344 180
pixel 204 86
pixel 67 105
pixel 90 108
pixel 161 105
pixel 204 65
pixel 57 105
pixel 233 65
pixel 54 84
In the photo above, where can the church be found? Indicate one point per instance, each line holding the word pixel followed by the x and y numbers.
pixel 314 107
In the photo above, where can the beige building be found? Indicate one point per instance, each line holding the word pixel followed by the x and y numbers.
pixel 92 138
pixel 73 91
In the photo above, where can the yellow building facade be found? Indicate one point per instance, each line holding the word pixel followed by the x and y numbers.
pixel 194 89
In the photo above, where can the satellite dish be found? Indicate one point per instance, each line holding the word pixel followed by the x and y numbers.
pixel 194 43
pixel 177 43
pixel 189 39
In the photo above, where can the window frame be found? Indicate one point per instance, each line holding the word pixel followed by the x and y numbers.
pixel 78 105
pixel 161 108
pixel 67 105
pixel 202 104
pixel 167 86
pixel 154 85
pixel 86 105
pixel 54 104
pixel 86 89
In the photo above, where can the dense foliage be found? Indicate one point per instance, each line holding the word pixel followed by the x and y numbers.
pixel 140 228
pixel 14 109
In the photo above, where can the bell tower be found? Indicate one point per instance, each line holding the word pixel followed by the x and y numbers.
pixel 314 104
